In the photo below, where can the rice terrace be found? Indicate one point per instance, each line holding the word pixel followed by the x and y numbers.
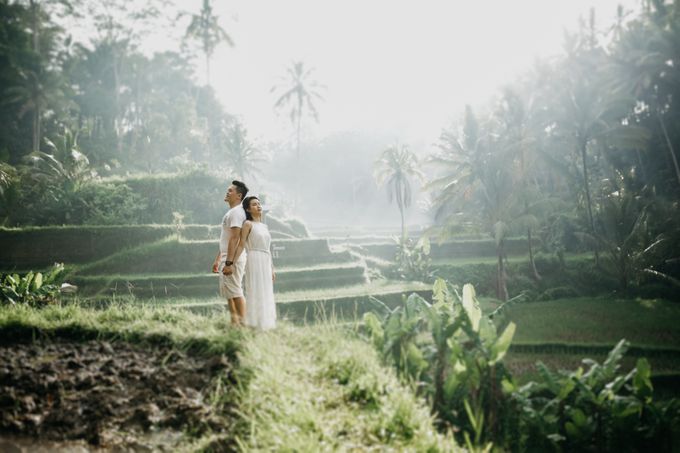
pixel 383 226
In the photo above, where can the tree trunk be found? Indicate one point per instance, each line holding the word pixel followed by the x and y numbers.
pixel 116 87
pixel 207 69
pixel 403 226
pixel 670 146
pixel 35 24
pixel 36 128
pixel 298 171
pixel 501 287
pixel 586 185
pixel 35 29
pixel 297 131
pixel 536 275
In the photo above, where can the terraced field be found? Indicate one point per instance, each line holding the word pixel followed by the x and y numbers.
pixel 341 277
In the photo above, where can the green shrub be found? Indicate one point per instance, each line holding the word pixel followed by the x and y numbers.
pixel 198 196
pixel 595 409
pixel 34 289
pixel 412 261
pixel 455 357
pixel 358 376
pixel 106 204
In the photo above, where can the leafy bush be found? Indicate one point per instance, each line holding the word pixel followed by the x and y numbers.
pixel 455 356
pixel 454 353
pixel 196 194
pixel 107 204
pixel 412 259
pixel 595 409
pixel 34 289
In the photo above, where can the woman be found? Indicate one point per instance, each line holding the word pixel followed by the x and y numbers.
pixel 259 273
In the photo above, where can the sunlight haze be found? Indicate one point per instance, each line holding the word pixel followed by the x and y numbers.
pixel 405 68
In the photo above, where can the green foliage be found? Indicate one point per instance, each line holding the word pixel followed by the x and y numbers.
pixel 395 168
pixel 205 29
pixel 412 259
pixel 455 355
pixel 34 288
pixel 634 250
pixel 298 92
pixel 241 152
pixel 595 408
pixel 178 224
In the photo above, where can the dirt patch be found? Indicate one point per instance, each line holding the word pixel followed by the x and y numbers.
pixel 111 394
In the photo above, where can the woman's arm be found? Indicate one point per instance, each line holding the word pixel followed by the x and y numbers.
pixel 245 231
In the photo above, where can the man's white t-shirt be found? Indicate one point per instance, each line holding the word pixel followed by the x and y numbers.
pixel 233 218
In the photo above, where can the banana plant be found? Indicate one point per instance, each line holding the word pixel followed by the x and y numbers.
pixel 34 288
pixel 453 352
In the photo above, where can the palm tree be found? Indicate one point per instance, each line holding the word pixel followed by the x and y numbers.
pixel 394 168
pixel 586 115
pixel 7 175
pixel 645 65
pixel 299 91
pixel 34 92
pixel 205 28
pixel 242 153
pixel 66 166
pixel 521 137
pixel 475 177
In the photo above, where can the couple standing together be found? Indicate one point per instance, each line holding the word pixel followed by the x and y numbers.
pixel 245 258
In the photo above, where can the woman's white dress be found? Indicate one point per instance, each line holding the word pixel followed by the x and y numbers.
pixel 259 288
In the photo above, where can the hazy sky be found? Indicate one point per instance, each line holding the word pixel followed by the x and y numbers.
pixel 402 66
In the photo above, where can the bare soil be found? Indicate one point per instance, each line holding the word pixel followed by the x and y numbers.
pixel 110 395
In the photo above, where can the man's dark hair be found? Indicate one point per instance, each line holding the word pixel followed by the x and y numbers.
pixel 240 188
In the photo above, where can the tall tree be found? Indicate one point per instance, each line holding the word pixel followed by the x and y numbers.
pixel 394 169
pixel 522 137
pixel 205 28
pixel 298 91
pixel 242 154
pixel 645 64
pixel 475 177
pixel 37 84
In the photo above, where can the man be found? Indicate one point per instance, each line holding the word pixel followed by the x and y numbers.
pixel 231 274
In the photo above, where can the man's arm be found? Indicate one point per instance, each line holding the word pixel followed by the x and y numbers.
pixel 234 238
pixel 232 245
pixel 216 263
pixel 245 231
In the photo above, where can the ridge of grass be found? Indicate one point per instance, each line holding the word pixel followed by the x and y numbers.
pixel 319 389
pixel 593 320
pixel 375 288
pixel 144 324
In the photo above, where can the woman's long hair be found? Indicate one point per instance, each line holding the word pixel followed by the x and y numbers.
pixel 246 206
